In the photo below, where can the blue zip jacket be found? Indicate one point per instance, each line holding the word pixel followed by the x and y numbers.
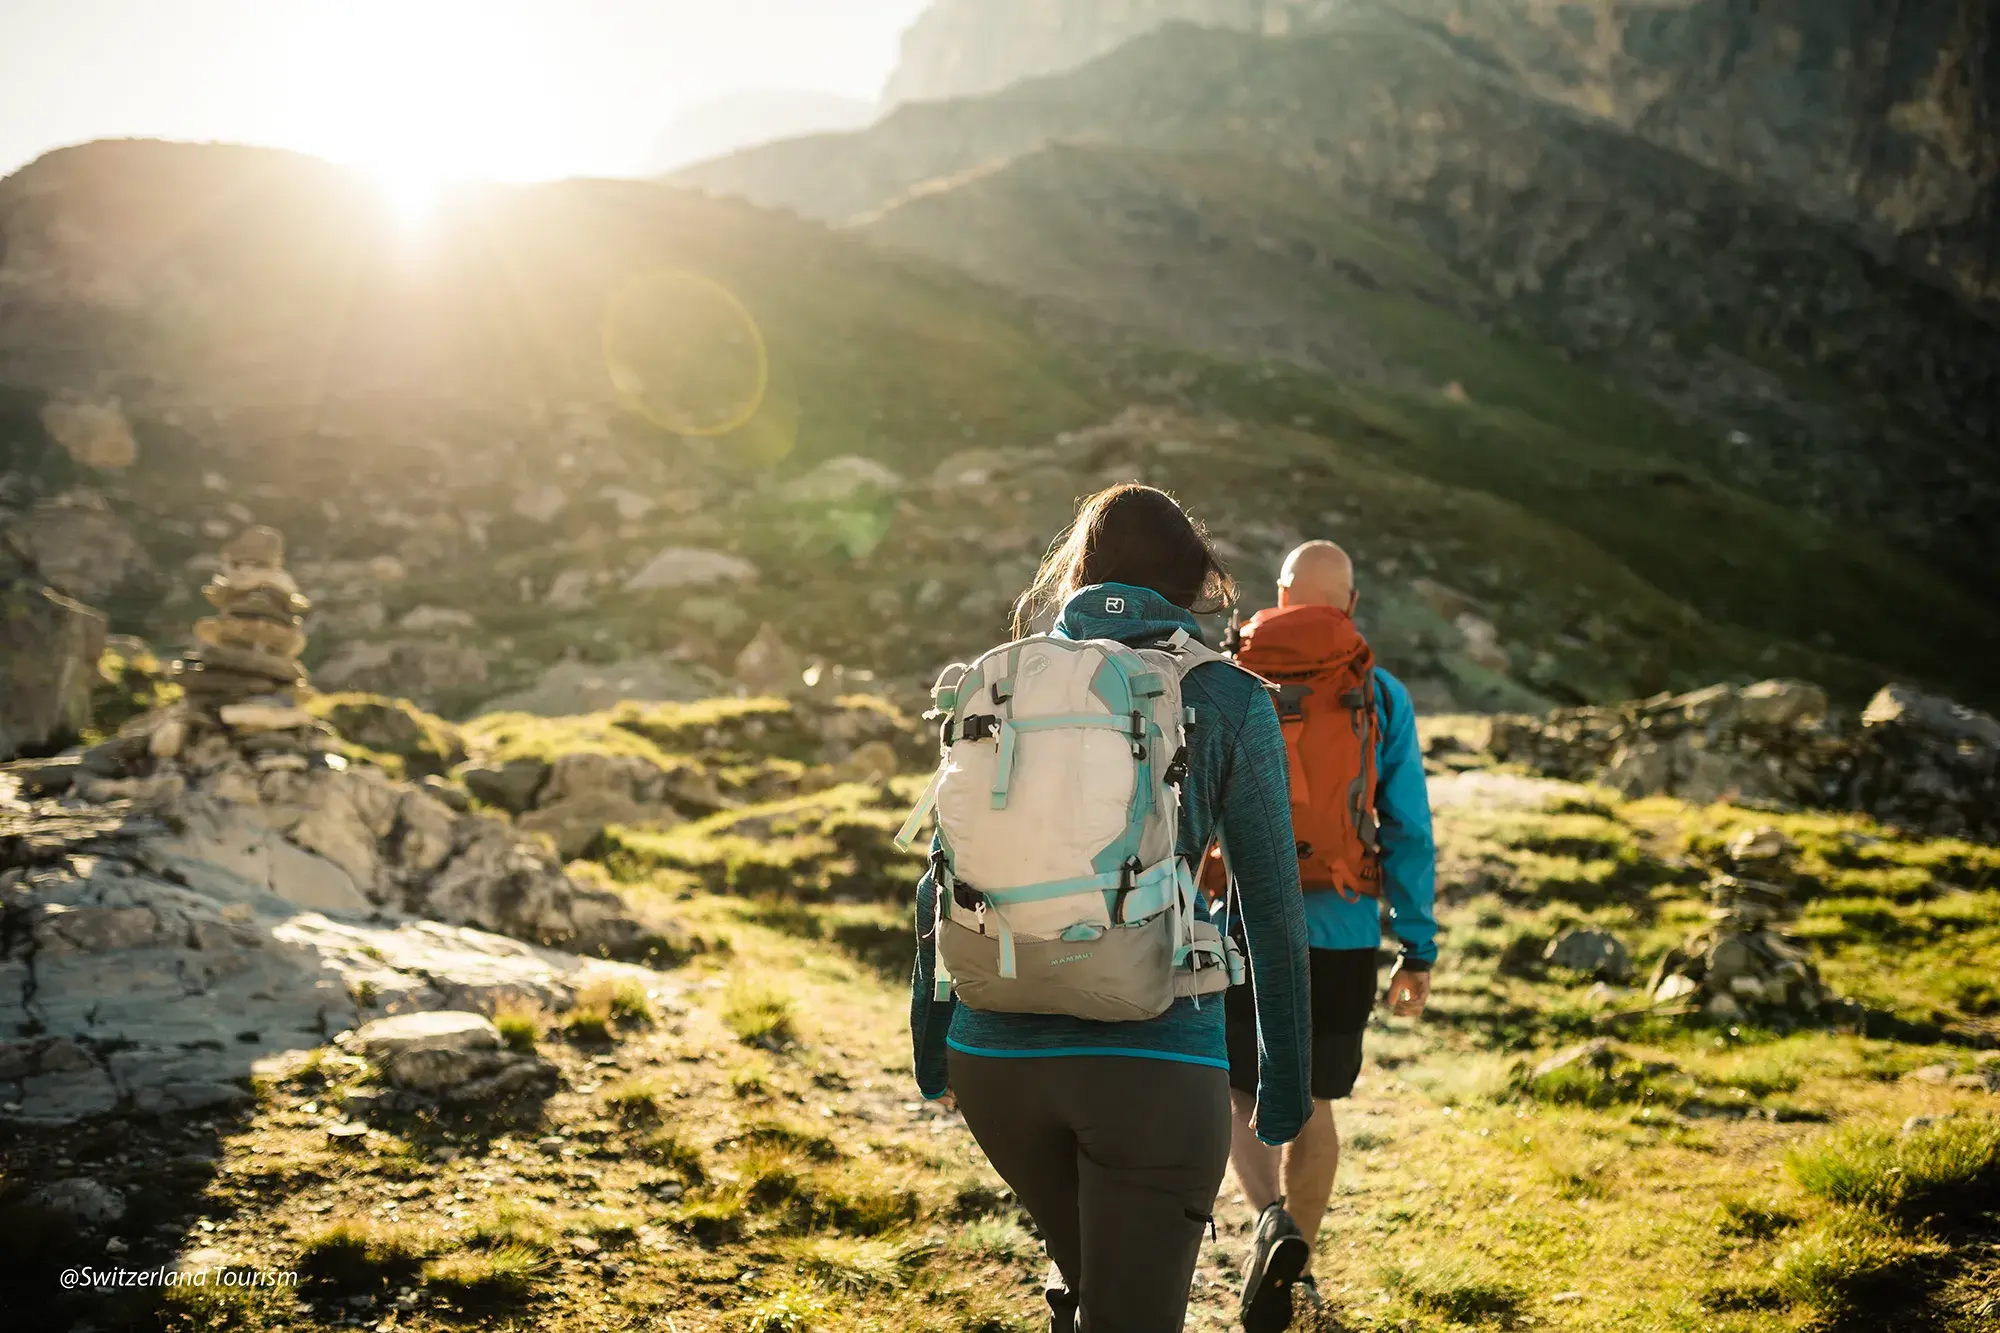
pixel 1236 785
pixel 1409 852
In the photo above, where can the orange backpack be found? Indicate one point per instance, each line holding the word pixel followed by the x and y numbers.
pixel 1326 700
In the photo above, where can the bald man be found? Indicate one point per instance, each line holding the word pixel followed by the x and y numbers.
pixel 1309 643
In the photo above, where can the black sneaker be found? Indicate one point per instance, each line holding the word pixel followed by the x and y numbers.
pixel 1278 1257
pixel 1062 1302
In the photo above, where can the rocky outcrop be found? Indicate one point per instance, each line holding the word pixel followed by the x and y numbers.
pixel 49 646
pixel 147 970
pixel 962 48
pixel 1175 163
pixel 1878 116
pixel 1910 759
pixel 81 545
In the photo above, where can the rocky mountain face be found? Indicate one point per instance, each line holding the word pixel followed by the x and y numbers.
pixel 1810 372
pixel 1878 116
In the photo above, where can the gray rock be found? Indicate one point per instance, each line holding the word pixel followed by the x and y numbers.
pixel 1761 844
pixel 82 1200
pixel 510 786
pixel 455 1056
pixel 841 479
pixel 1595 1052
pixel 49 646
pixel 769 665
pixel 447 793
pixel 1593 952
pixel 689 567
pixel 573 823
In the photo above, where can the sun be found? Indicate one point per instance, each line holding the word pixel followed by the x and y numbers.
pixel 410 192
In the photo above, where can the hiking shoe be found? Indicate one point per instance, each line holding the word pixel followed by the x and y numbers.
pixel 1062 1302
pixel 1278 1256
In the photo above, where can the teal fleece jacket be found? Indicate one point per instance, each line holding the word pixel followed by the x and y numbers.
pixel 1236 785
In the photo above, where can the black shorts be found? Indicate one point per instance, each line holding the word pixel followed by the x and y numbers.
pixel 1343 995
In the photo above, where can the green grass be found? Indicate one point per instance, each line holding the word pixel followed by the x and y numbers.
pixel 520 1026
pixel 831 844
pixel 354 1253
pixel 506 1274
pixel 794 1308
pixel 757 1013
pixel 1463 1289
pixel 1944 1168
pixel 635 1099
pixel 1851 1259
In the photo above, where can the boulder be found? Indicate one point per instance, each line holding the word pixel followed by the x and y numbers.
pixel 1595 953
pixel 689 567
pixel 422 669
pixel 568 689
pixel 769 665
pixel 842 479
pixel 426 744
pixel 80 546
pixel 570 590
pixel 86 1202
pixel 509 786
pixel 540 504
pixel 49 646
pixel 436 620
pixel 1761 844
pixel 96 435
pixel 1929 764
pixel 428 1052
pixel 574 823
pixel 589 773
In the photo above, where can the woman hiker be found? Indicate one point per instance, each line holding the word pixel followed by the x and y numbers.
pixel 1114 1134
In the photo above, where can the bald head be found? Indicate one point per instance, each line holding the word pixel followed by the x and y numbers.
pixel 1317 574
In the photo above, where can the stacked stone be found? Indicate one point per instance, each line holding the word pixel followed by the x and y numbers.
pixel 244 669
pixel 1743 964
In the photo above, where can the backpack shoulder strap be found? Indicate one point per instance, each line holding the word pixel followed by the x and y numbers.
pixel 1189 652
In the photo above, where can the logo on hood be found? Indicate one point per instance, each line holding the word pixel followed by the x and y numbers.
pixel 1114 606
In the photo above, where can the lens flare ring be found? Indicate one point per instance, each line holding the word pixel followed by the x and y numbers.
pixel 660 326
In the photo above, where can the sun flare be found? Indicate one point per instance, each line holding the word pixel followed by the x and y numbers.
pixel 409 192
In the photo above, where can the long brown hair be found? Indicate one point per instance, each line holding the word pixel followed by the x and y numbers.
pixel 1133 534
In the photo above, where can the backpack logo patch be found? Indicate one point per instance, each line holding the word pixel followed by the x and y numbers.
pixel 1114 606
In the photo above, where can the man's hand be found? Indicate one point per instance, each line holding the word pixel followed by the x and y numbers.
pixel 1409 992
pixel 949 1101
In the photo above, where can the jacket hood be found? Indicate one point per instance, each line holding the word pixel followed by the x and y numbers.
pixel 1122 612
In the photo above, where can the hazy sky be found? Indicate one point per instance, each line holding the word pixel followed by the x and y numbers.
pixel 468 88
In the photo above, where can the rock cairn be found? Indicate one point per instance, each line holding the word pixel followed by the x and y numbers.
pixel 248 652
pixel 1910 759
pixel 1743 964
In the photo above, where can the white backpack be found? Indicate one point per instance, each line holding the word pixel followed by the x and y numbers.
pixel 1058 812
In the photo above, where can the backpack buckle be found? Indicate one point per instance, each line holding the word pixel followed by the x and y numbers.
pixel 1177 771
pixel 1127 881
pixel 980 727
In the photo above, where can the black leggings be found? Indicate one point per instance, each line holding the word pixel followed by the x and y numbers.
pixel 1118 1160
